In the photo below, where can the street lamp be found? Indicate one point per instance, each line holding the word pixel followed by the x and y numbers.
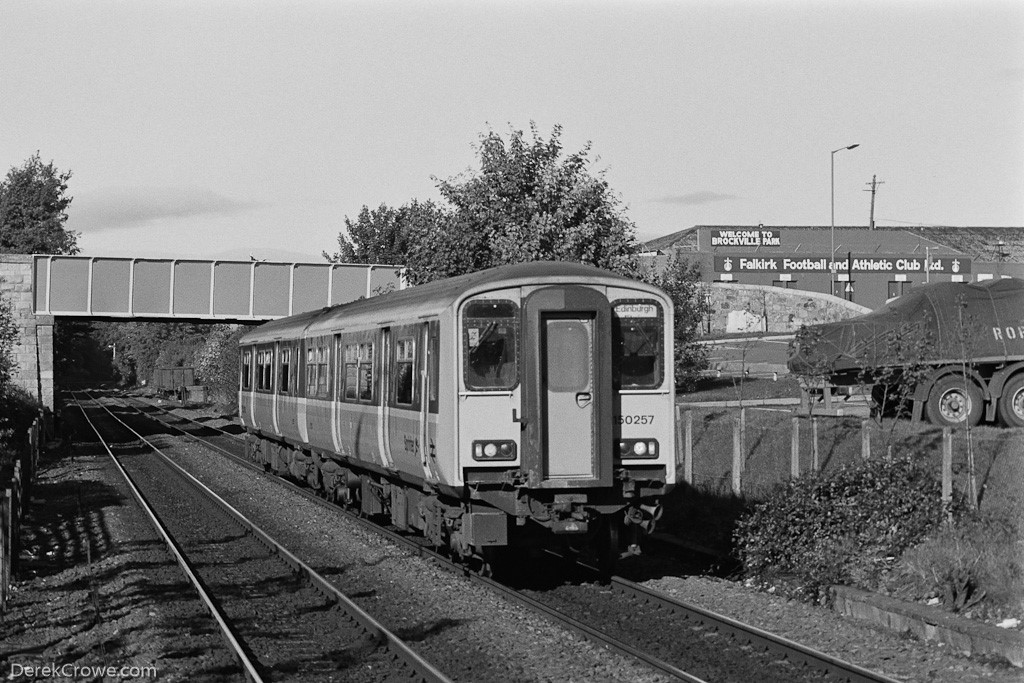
pixel 832 253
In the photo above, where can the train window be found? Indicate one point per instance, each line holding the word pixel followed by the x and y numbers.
pixel 322 375
pixel 284 376
pixel 433 344
pixel 351 371
pixel 366 372
pixel 490 345
pixel 264 370
pixel 637 345
pixel 405 361
pixel 317 375
pixel 310 372
pixel 246 370
pixel 568 357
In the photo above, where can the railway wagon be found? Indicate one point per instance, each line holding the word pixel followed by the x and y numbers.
pixel 173 380
pixel 495 410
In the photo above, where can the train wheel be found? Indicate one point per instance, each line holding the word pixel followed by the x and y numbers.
pixel 1011 403
pixel 954 402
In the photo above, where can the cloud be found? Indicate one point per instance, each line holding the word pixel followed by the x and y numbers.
pixel 695 198
pixel 123 207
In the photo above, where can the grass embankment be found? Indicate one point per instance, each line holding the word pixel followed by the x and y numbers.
pixel 975 565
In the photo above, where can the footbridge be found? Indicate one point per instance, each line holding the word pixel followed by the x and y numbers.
pixel 43 288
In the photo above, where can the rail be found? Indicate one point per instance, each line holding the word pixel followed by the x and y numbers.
pixel 424 670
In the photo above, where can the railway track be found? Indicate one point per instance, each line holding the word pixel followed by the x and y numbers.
pixel 278 616
pixel 626 617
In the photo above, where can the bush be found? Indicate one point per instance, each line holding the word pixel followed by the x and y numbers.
pixel 845 527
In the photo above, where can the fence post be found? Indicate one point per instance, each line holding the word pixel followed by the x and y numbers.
pixel 5 545
pixel 688 446
pixel 947 470
pixel 737 456
pixel 815 462
pixel 794 451
pixel 865 439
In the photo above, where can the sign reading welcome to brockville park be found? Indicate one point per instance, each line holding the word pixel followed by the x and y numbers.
pixel 746 238
pixel 943 265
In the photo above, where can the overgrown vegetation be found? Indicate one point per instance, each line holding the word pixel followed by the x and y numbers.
pixel 17 408
pixel 846 527
pixel 975 565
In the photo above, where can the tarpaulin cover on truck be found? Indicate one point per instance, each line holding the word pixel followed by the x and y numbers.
pixel 939 323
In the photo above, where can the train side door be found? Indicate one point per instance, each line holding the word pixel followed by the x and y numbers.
pixel 567 363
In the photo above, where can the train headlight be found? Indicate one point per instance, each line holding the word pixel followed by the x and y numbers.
pixel 488 450
pixel 638 448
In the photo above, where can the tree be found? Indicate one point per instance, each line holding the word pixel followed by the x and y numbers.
pixel 527 202
pixel 681 281
pixel 33 207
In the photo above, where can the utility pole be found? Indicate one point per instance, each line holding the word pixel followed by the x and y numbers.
pixel 874 186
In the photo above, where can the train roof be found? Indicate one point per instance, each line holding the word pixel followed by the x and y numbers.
pixel 429 299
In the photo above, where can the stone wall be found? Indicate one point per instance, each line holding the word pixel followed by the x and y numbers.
pixel 761 308
pixel 33 350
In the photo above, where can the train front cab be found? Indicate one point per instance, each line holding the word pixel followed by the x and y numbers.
pixel 565 411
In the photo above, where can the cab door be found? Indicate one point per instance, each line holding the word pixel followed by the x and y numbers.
pixel 567 399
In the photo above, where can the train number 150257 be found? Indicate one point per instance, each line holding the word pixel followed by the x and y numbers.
pixel 634 419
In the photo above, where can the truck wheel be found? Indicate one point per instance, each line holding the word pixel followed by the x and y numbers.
pixel 953 403
pixel 1011 403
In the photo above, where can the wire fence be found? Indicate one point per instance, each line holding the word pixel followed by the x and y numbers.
pixel 751 451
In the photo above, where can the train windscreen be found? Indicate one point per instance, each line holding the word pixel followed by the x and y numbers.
pixel 490 345
pixel 637 343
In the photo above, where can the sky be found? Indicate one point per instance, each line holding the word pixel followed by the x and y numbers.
pixel 213 129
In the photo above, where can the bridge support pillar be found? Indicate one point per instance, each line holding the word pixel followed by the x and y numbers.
pixel 33 345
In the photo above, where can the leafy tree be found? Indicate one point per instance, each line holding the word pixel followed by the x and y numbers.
pixel 216 363
pixel 142 347
pixel 33 207
pixel 527 202
pixel 681 281
pixel 386 234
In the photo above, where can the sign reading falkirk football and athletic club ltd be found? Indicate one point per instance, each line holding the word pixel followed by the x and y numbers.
pixel 746 238
pixel 944 265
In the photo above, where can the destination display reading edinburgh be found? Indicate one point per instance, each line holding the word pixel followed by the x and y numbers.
pixel 946 265
pixel 746 238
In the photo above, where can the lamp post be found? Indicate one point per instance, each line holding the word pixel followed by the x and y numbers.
pixel 832 252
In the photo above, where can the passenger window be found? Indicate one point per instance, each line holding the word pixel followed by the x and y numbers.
pixel 366 372
pixel 246 370
pixel 432 366
pixel 490 345
pixel 311 372
pixel 405 362
pixel 351 371
pixel 322 375
pixel 284 372
pixel 637 345
pixel 264 370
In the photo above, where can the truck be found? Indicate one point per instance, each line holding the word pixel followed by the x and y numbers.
pixel 952 352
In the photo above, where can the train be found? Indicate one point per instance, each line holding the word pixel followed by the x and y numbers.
pixel 503 410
